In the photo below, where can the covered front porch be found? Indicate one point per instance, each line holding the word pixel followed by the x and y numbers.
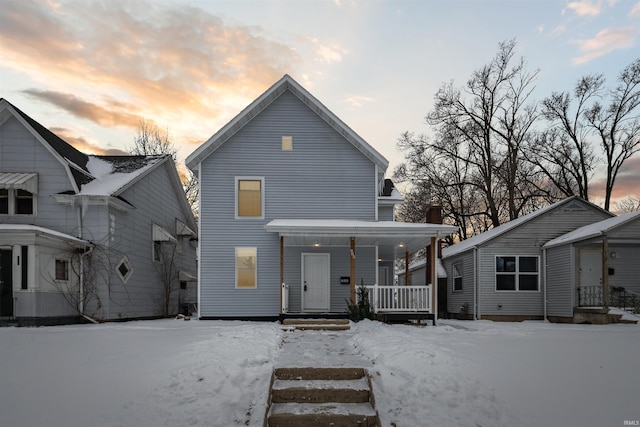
pixel 322 263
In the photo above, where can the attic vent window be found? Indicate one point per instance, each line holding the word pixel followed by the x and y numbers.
pixel 287 143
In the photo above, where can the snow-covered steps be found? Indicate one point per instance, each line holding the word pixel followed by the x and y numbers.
pixel 317 324
pixel 314 397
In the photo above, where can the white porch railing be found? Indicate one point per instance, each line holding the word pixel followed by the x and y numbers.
pixel 284 290
pixel 398 299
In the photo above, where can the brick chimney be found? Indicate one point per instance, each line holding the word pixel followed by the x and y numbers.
pixel 434 214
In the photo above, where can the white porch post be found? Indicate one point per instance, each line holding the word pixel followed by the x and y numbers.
pixel 352 269
pixel 433 253
pixel 281 271
pixel 605 272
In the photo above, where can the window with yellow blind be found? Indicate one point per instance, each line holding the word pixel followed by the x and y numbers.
pixel 249 197
pixel 246 268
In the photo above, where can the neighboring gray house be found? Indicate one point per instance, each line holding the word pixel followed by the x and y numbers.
pixel 576 269
pixel 294 211
pixel 88 236
pixel 500 274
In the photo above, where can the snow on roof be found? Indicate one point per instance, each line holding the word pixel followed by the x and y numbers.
pixel 592 230
pixel 498 231
pixel 37 229
pixel 420 263
pixel 113 173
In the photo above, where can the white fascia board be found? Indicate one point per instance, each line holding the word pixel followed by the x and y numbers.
pixel 85 199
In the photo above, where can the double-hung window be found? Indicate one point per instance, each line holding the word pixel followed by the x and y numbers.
pixel 457 277
pixel 246 268
pixel 62 270
pixel 16 202
pixel 249 197
pixel 517 273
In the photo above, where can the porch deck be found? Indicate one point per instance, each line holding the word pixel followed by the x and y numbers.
pixel 389 303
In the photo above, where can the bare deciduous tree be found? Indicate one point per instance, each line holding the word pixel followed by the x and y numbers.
pixel 151 141
pixel 563 152
pixel 616 123
pixel 627 205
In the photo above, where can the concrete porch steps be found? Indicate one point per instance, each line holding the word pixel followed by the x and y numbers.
pixel 598 316
pixel 314 397
pixel 317 324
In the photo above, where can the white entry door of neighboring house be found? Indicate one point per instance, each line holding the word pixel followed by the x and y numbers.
pixel 590 289
pixel 315 282
pixel 590 268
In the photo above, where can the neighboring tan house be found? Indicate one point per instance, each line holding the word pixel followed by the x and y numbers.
pixel 503 273
pixel 294 211
pixel 99 237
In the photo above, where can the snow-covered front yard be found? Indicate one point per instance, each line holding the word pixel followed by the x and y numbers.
pixel 214 373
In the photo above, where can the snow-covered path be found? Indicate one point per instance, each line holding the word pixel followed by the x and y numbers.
pixel 319 349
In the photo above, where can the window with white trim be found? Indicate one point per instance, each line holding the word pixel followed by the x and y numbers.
pixel 517 273
pixel 124 269
pixel 249 197
pixel 246 268
pixel 457 277
pixel 62 270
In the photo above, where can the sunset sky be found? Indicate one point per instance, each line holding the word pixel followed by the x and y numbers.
pixel 91 70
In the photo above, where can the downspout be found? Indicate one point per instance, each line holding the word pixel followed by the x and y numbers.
pixel 544 281
pixel 81 306
pixel 476 286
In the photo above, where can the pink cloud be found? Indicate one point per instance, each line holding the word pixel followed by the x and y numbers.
pixel 84 145
pixel 175 65
pixel 604 42
pixel 627 182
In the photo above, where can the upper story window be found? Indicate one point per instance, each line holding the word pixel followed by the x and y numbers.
pixel 17 193
pixel 16 202
pixel 249 197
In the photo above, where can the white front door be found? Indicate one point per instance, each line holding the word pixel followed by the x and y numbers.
pixel 590 268
pixel 315 282
pixel 590 291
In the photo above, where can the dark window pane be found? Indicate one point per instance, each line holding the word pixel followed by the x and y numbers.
pixel 4 201
pixel 123 269
pixel 528 282
pixel 528 264
pixel 505 282
pixel 24 202
pixel 457 284
pixel 24 265
pixel 62 270
pixel 506 264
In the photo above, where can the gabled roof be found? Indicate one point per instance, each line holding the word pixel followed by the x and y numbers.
pixel 286 83
pixel 590 231
pixel 114 174
pixel 489 235
pixel 75 160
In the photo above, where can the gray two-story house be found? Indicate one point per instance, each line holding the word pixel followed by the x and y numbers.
pixel 88 237
pixel 294 211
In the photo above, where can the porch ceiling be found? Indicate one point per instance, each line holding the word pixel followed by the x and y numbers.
pixel 392 238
